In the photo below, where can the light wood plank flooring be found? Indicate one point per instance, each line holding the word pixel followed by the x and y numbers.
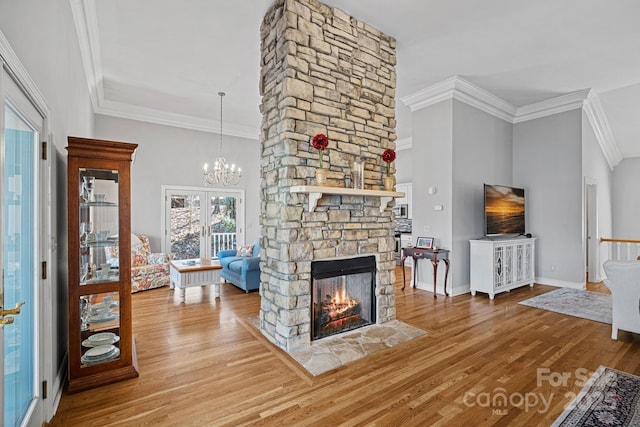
pixel 201 364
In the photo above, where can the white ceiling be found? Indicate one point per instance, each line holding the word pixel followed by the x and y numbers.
pixel 165 60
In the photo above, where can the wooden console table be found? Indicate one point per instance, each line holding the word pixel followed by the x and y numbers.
pixel 435 256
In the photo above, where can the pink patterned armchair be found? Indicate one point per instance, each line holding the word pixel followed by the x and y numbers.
pixel 148 270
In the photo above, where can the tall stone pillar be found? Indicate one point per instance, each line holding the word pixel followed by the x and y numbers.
pixel 322 71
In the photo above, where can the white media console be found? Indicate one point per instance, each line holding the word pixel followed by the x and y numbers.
pixel 501 265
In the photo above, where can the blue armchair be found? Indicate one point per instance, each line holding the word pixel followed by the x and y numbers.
pixel 241 271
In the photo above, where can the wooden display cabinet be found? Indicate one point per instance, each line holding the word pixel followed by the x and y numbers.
pixel 101 344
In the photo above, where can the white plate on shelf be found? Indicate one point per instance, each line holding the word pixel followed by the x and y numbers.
pixel 102 336
pixel 99 352
pixel 90 344
pixel 102 319
pixel 109 357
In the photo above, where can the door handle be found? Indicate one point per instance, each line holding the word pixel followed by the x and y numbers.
pixel 6 321
pixel 15 310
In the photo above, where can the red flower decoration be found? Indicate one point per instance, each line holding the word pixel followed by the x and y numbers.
pixel 320 142
pixel 388 156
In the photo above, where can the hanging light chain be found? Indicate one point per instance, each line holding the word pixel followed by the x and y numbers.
pixel 221 172
pixel 221 95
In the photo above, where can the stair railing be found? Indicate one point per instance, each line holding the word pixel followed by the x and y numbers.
pixel 621 249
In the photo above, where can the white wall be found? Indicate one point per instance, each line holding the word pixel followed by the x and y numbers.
pixel 626 200
pixel 42 35
pixel 456 148
pixel 404 165
pixel 596 172
pixel 482 153
pixel 432 166
pixel 547 162
pixel 174 156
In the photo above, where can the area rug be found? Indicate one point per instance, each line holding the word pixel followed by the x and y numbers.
pixel 574 302
pixel 610 398
pixel 333 352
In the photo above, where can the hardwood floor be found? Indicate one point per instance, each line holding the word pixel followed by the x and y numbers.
pixel 202 364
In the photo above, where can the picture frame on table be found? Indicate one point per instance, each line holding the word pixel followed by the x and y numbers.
pixel 424 243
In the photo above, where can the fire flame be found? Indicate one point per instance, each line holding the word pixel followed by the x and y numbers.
pixel 341 296
pixel 341 300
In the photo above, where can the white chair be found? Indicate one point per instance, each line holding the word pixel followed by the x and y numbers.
pixel 623 279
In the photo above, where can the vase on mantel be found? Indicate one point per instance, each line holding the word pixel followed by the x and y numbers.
pixel 321 177
pixel 387 182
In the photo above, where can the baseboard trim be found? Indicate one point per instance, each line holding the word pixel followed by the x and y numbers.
pixel 460 290
pixel 561 283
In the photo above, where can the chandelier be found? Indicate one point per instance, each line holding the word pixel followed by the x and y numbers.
pixel 221 172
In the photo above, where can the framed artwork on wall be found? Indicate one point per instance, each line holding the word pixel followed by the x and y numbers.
pixel 424 242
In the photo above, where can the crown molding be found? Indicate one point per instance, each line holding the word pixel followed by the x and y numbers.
pixel 600 125
pixel 483 100
pixel 430 95
pixel 551 106
pixel 587 100
pixel 462 90
pixel 132 112
pixel 458 88
pixel 85 19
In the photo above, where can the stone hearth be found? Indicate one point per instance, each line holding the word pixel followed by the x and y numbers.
pixel 322 72
pixel 336 351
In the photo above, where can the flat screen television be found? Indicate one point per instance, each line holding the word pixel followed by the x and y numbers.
pixel 503 210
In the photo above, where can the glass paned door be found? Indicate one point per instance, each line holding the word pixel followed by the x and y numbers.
pixel 19 255
pixel 200 223
pixel 185 222
pixel 223 226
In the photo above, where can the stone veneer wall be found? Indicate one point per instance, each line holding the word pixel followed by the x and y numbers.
pixel 322 72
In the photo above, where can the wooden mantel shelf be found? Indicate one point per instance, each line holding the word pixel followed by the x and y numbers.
pixel 315 193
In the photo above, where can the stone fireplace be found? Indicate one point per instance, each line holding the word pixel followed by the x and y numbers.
pixel 322 71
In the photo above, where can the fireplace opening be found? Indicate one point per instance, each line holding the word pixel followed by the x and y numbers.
pixel 342 295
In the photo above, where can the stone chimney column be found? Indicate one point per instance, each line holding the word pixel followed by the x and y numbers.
pixel 322 71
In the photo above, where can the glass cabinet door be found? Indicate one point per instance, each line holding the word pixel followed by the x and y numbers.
pixel 99 263
pixel 98 234
pixel 99 328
